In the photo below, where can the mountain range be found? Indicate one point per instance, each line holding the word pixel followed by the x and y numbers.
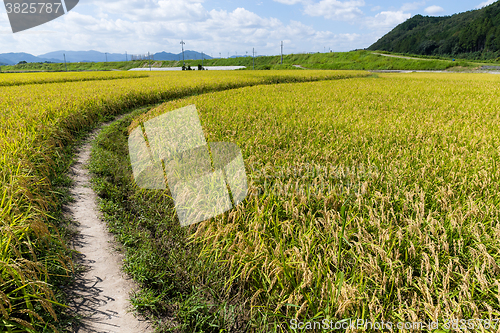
pixel 472 34
pixel 92 56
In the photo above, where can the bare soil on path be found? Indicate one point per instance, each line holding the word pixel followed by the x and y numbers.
pixel 402 57
pixel 100 295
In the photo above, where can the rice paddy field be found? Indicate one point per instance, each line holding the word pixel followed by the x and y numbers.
pixel 42 116
pixel 372 198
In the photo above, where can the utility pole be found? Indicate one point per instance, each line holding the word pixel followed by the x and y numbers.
pixel 66 67
pixel 253 58
pixel 126 57
pixel 220 55
pixel 282 52
pixel 106 53
pixel 149 57
pixel 182 44
pixel 202 58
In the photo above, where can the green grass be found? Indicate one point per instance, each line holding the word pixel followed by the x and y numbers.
pixel 354 60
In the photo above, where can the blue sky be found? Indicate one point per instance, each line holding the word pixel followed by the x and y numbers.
pixel 222 26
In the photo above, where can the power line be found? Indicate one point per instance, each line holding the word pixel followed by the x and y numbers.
pixel 182 43
pixel 253 58
pixel 282 52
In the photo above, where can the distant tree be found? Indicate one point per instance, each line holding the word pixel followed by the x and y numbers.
pixel 22 62
pixel 427 46
pixel 189 68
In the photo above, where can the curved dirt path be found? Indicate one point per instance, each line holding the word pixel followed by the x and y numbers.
pixel 100 294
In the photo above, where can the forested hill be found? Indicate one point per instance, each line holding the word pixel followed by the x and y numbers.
pixel 474 35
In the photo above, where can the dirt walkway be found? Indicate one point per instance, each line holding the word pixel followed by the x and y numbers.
pixel 402 57
pixel 100 294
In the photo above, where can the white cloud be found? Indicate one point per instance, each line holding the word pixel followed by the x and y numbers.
pixel 409 6
pixel 386 20
pixel 289 2
pixel 376 8
pixel 335 10
pixel 485 3
pixel 139 26
pixel 433 10
pixel 154 10
pixel 235 31
pixel 239 19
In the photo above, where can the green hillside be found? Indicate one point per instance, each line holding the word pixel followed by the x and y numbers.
pixel 472 35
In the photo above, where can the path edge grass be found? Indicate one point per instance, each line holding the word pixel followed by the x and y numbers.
pixel 175 292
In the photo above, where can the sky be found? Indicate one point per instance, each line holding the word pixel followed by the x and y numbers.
pixel 222 27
